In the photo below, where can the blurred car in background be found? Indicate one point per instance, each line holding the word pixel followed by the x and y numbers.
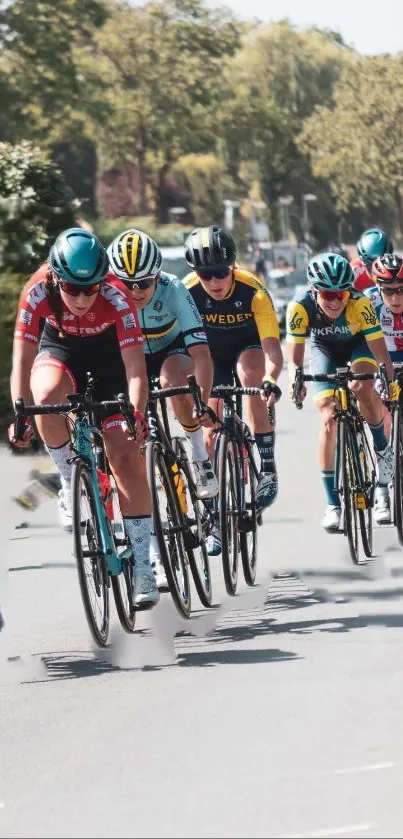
pixel 173 261
pixel 282 287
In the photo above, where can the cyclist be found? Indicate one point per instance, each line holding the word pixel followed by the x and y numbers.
pixel 243 336
pixel 343 327
pixel 175 342
pixel 371 244
pixel 386 296
pixel 90 324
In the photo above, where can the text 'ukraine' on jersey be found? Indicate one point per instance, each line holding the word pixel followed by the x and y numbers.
pixel 391 324
pixel 113 306
pixel 245 316
pixel 305 318
pixel 170 312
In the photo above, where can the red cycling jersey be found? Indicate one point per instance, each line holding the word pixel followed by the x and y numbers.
pixel 362 277
pixel 114 305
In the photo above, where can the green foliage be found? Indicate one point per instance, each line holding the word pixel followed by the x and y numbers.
pixel 356 142
pixel 164 234
pixel 207 182
pixel 35 205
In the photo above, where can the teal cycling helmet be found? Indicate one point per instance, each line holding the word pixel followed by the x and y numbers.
pixel 330 272
pixel 373 243
pixel 78 257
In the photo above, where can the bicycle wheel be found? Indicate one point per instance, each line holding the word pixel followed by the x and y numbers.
pixel 348 491
pixel 248 536
pixel 365 498
pixel 169 527
pixel 91 561
pixel 122 584
pixel 195 534
pixel 228 466
pixel 398 473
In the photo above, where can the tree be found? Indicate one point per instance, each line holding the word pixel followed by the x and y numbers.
pixel 278 78
pixel 35 205
pixel 164 63
pixel 356 142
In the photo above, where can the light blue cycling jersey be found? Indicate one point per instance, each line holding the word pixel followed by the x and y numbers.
pixel 171 312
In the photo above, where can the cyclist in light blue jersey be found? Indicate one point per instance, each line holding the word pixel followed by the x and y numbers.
pixel 175 342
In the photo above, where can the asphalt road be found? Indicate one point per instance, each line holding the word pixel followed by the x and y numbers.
pixel 277 713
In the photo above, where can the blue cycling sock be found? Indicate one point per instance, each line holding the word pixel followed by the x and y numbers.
pixel 138 529
pixel 332 495
pixel 379 436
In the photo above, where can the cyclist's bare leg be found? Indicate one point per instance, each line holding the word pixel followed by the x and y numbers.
pixel 50 384
pixel 174 372
pixel 327 433
pixel 251 370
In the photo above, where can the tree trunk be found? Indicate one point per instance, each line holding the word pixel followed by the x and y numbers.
pixel 399 207
pixel 141 156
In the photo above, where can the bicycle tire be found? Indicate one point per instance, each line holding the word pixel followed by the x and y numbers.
pixel 248 541
pixel 398 472
pixel 122 587
pixel 228 511
pixel 81 484
pixel 348 490
pixel 195 541
pixel 174 559
pixel 365 516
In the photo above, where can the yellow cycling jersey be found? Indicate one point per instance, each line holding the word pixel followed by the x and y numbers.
pixel 246 315
pixel 305 318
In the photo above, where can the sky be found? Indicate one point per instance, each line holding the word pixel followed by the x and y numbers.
pixel 369 28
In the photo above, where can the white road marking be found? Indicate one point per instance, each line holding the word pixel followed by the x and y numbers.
pixel 329 831
pixel 369 767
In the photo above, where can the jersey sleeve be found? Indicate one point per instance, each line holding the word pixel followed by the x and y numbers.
pixel 188 315
pixel 33 308
pixel 297 322
pixel 128 329
pixel 264 314
pixel 367 319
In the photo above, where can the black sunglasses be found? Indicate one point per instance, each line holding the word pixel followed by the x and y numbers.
pixel 142 284
pixel 216 274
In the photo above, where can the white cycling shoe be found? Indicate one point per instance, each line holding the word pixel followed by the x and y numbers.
pixel 382 513
pixel 385 460
pixel 65 510
pixel 145 590
pixel 159 572
pixel 206 481
pixel 331 519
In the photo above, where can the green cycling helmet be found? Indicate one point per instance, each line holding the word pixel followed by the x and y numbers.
pixel 78 257
pixel 373 243
pixel 330 272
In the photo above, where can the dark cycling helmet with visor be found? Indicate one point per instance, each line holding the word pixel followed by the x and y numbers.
pixel 387 269
pixel 78 257
pixel 210 250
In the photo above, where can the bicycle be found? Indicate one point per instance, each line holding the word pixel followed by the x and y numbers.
pixel 355 475
pixel 396 408
pixel 235 466
pixel 181 520
pixel 103 558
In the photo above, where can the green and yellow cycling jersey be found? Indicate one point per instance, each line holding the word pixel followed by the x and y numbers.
pixel 358 320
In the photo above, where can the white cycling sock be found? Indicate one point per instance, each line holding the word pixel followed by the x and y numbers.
pixel 196 440
pixel 60 456
pixel 138 529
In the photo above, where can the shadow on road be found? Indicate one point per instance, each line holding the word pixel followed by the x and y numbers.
pixel 43 566
pixel 211 658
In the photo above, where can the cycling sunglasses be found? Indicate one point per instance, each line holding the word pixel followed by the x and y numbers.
pixel 75 290
pixel 216 274
pixel 389 292
pixel 142 284
pixel 330 296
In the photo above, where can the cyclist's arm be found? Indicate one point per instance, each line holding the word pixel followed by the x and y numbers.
pixel 136 373
pixel 297 331
pixel 203 369
pixel 269 333
pixel 372 331
pixel 24 354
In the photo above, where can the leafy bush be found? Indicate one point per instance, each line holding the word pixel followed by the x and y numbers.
pixel 164 234
pixel 35 205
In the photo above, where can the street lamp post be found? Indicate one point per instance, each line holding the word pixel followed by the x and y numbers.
pixel 306 197
pixel 285 201
pixel 230 206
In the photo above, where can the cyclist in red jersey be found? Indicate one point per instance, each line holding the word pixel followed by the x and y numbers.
pixel 371 244
pixel 71 320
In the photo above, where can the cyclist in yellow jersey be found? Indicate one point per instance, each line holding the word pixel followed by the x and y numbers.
pixel 243 336
pixel 343 327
